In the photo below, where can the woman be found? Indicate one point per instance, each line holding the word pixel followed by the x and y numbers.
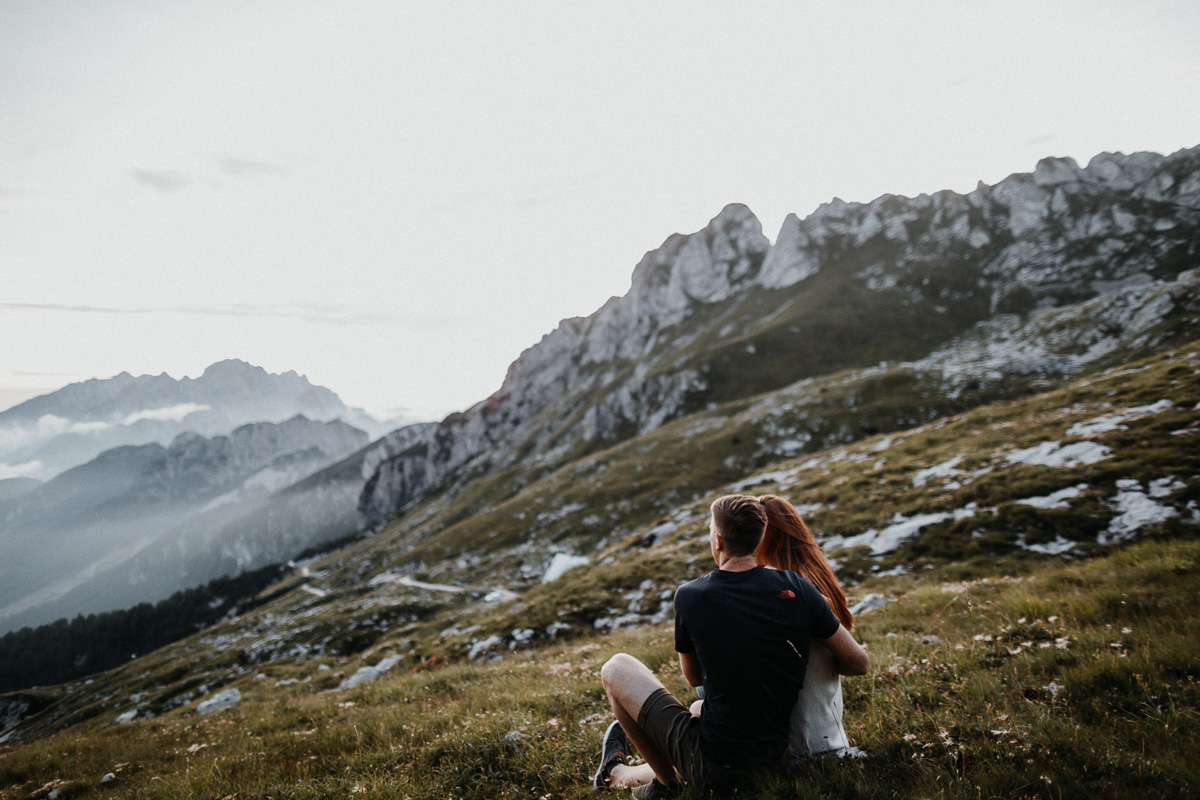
pixel 817 716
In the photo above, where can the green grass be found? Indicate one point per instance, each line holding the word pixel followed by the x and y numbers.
pixel 1075 680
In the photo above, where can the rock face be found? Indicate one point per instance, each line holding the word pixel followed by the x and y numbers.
pixel 721 314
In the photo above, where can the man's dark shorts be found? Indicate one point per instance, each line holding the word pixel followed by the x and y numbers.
pixel 673 729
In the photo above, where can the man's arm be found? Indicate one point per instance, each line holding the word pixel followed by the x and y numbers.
pixel 691 669
pixel 849 657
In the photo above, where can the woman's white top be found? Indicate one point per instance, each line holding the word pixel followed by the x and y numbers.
pixel 817 715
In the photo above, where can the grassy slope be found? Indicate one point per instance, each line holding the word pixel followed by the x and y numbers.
pixel 1125 719
pixel 970 715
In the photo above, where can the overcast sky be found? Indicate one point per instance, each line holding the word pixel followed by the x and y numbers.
pixel 395 199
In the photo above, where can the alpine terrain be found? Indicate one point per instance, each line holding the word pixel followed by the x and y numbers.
pixel 985 405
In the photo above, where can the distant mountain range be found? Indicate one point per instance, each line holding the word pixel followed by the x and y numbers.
pixel 77 542
pixel 45 435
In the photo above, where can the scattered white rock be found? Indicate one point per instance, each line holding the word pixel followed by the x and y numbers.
pixel 1053 454
pixel 219 702
pixel 561 563
pixel 404 580
pixel 108 778
pixel 1137 509
pixel 900 531
pixel 521 637
pixel 555 628
pixel 942 470
pixel 499 595
pixel 1057 500
pixel 618 622
pixel 1054 548
pixel 483 646
pixel 765 477
pixel 367 674
pixel 1114 422
pixel 1164 487
pixel 127 717
pixel 12 712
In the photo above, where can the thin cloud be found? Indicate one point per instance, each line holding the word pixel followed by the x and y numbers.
pixel 315 314
pixel 1045 138
pixel 235 165
pixel 163 180
pixel 29 374
pixel 539 194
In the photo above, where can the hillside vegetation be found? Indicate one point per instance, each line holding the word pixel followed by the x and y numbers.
pixel 1039 557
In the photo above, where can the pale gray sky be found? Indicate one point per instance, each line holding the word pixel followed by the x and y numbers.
pixel 396 198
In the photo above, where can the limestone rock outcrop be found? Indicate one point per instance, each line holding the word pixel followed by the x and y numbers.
pixel 1054 237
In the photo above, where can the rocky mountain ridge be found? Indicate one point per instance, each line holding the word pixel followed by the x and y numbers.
pixel 854 275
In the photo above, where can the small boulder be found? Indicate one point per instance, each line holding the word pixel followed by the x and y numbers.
pixel 868 603
pixel 561 563
pixel 368 674
pixel 499 595
pixel 108 778
pixel 219 702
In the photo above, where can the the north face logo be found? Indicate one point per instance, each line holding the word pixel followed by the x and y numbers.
pixel 786 594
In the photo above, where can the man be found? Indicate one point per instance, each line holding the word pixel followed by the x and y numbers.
pixel 743 633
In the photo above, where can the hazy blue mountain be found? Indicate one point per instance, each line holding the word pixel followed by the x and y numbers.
pixel 11 488
pixel 79 528
pixel 59 430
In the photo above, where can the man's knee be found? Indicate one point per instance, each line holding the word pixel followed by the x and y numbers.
pixel 615 667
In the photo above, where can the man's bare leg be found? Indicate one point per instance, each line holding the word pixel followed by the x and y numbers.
pixel 629 683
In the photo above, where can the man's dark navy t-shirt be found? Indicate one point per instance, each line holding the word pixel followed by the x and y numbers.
pixel 751 632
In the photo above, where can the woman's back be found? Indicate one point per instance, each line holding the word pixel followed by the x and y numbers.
pixel 816 723
pixel 817 716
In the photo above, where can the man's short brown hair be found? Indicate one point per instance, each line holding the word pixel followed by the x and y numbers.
pixel 740 521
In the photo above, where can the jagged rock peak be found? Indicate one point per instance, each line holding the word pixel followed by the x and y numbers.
pixel 1052 171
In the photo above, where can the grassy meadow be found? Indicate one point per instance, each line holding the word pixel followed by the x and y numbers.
pixel 1058 680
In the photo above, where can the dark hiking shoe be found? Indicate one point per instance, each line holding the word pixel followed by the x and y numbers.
pixel 655 790
pixel 612 752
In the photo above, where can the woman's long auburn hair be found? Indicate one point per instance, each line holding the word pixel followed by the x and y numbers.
pixel 789 544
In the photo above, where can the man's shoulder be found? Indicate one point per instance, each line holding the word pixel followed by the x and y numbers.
pixel 693 586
